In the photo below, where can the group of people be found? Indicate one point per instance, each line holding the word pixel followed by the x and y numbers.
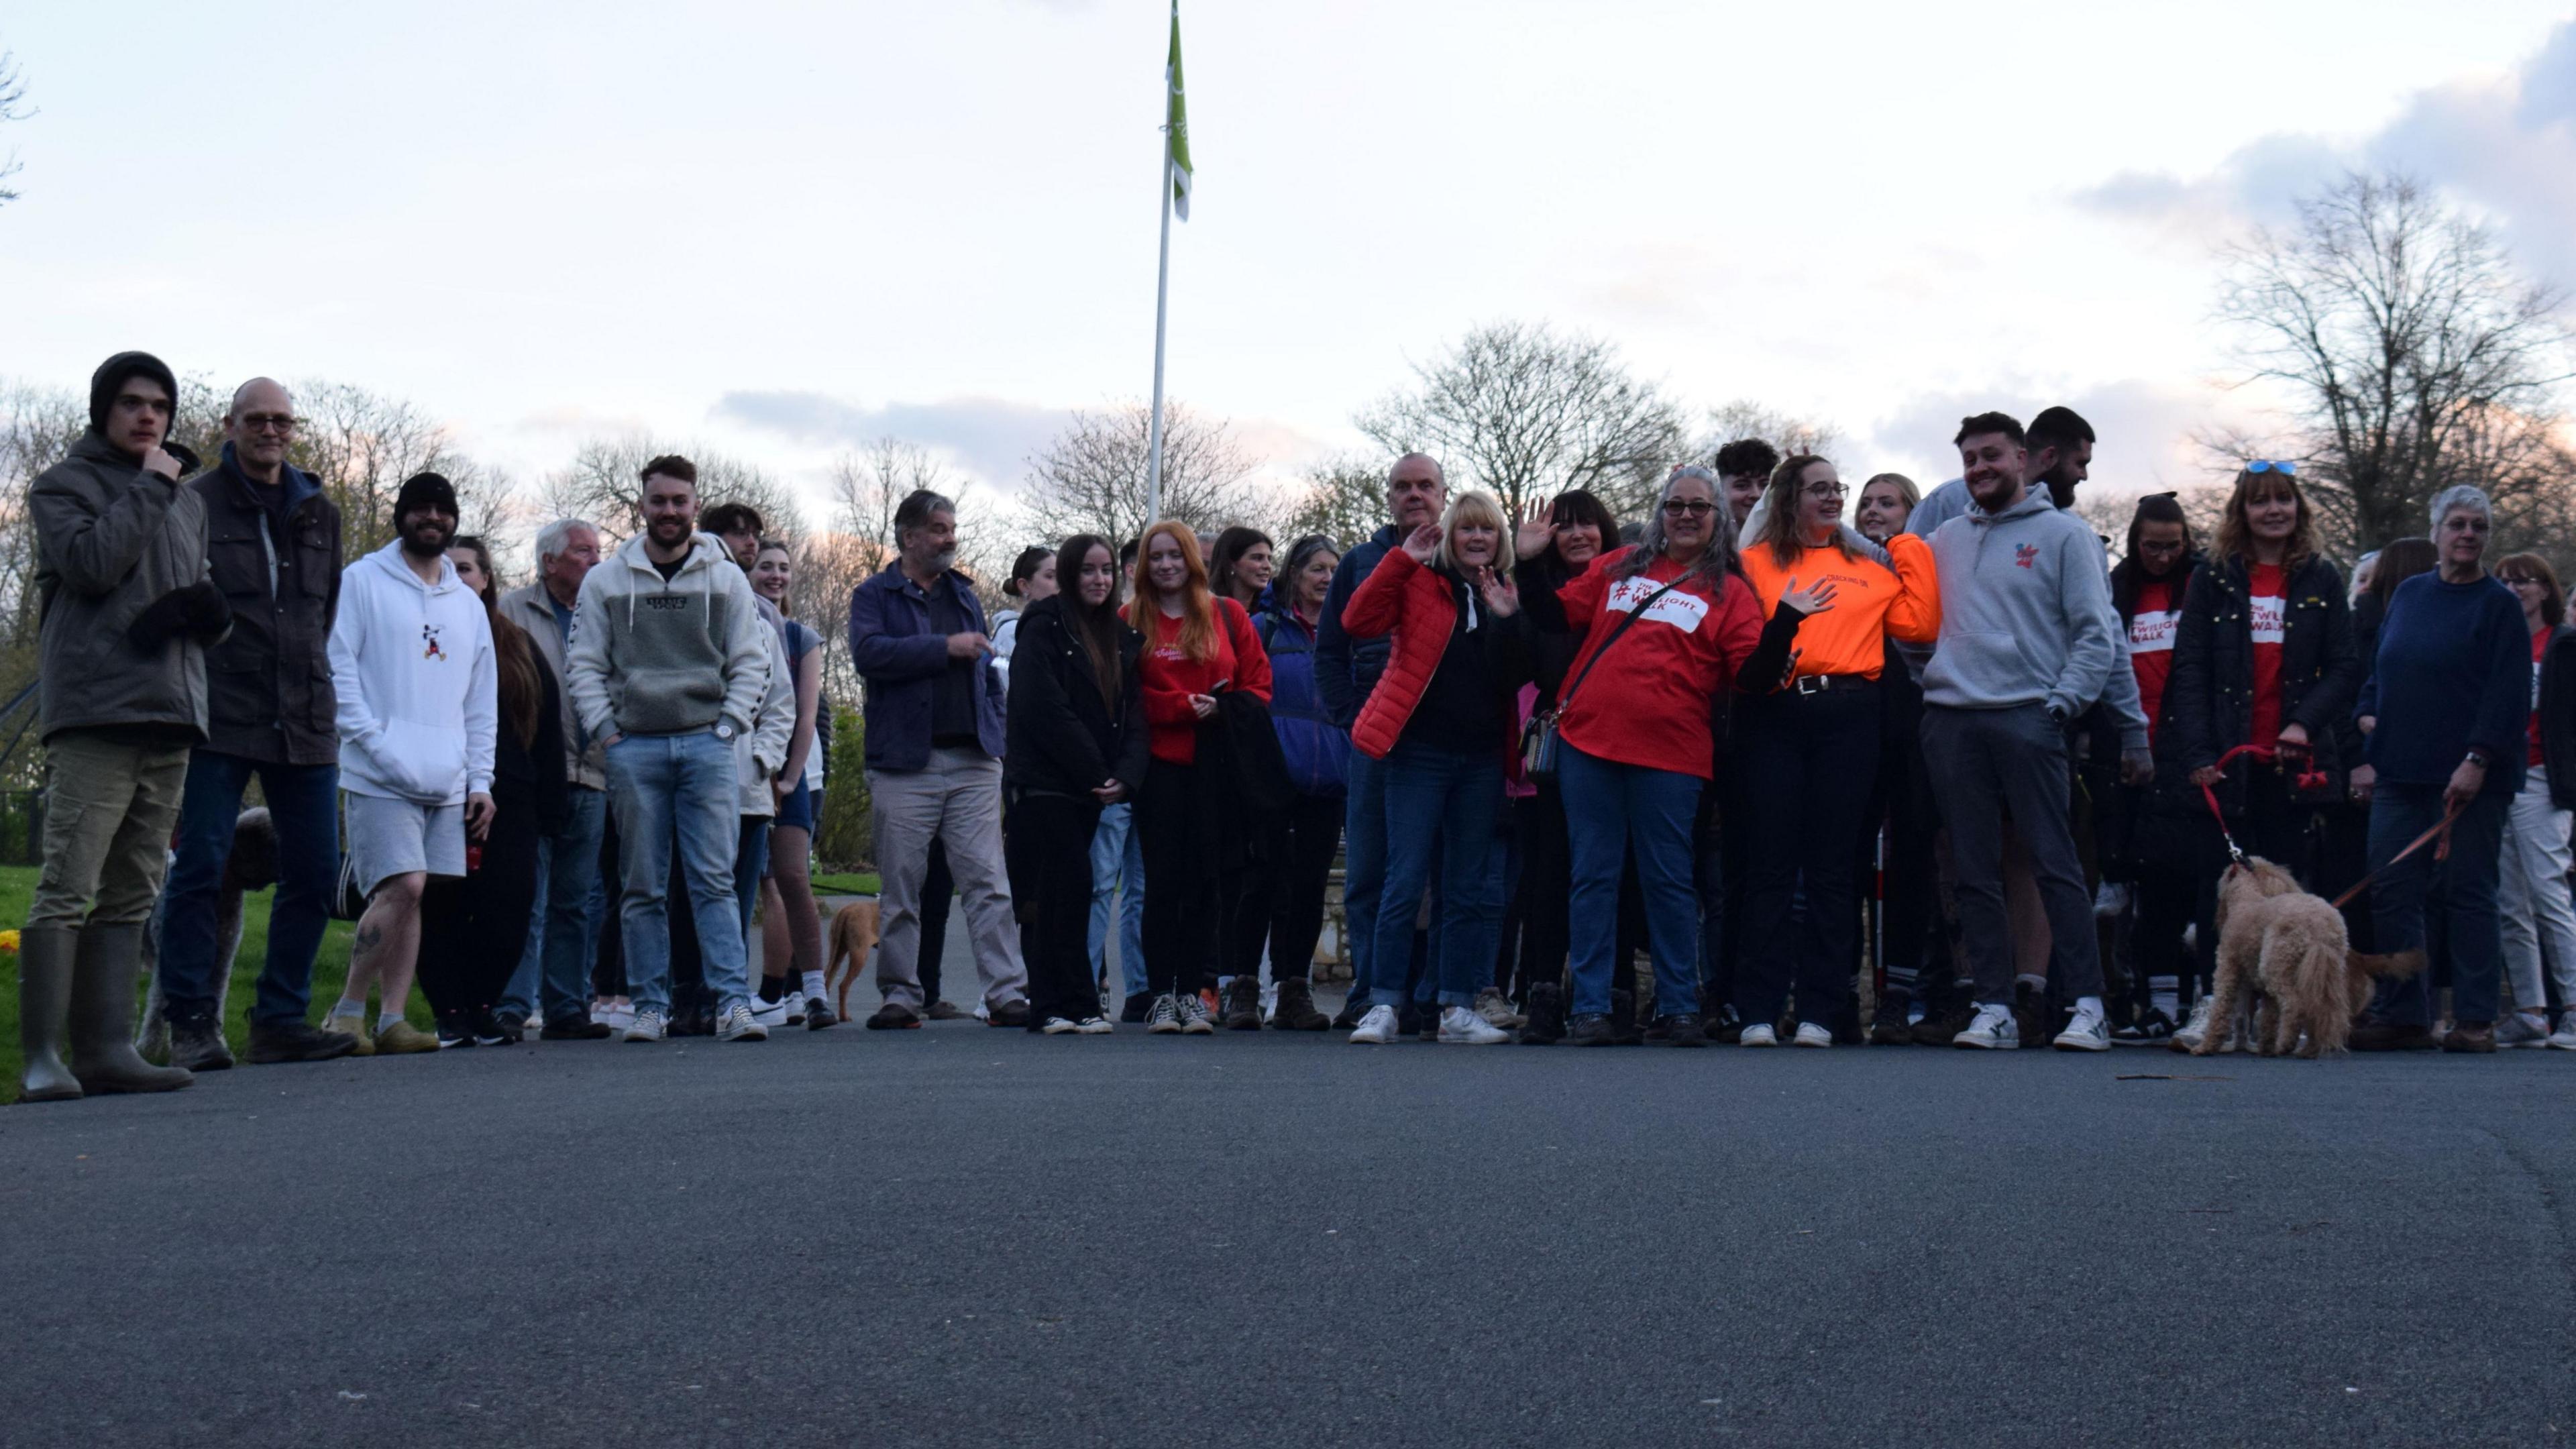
pixel 1541 749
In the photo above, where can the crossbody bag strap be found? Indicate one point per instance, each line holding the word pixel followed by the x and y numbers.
pixel 1634 615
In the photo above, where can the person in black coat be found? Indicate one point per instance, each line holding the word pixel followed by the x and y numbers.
pixel 2159 836
pixel 1076 733
pixel 474 927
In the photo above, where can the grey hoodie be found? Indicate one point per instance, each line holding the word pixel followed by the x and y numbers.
pixel 2026 612
pixel 655 658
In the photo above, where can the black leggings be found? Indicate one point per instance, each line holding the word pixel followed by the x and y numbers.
pixel 1810 763
pixel 474 929
pixel 1281 899
pixel 1181 901
pixel 1049 855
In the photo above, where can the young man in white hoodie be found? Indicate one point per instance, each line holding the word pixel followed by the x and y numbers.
pixel 419 696
pixel 669 668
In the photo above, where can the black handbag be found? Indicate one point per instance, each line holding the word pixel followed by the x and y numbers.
pixel 1539 737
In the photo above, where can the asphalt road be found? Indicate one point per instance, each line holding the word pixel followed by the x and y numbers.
pixel 968 1236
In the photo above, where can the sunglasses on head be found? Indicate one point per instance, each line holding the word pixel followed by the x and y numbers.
pixel 2286 468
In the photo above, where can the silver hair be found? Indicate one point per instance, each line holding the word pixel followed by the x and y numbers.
pixel 2457 497
pixel 1716 561
pixel 917 509
pixel 552 538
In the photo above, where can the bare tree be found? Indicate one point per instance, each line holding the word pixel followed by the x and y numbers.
pixel 1091 479
pixel 1745 418
pixel 870 483
pixel 13 102
pixel 603 484
pixel 2412 352
pixel 1345 500
pixel 1519 410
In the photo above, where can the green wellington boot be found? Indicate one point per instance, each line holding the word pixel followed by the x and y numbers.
pixel 109 964
pixel 44 1011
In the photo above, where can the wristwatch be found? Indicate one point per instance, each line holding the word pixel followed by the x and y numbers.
pixel 2478 758
pixel 724 729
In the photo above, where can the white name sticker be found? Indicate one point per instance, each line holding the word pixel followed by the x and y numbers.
pixel 2268 610
pixel 1679 608
pixel 2153 633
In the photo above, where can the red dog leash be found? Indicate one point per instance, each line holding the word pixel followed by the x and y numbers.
pixel 2309 779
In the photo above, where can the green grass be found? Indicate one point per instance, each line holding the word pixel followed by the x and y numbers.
pixel 330 971
pixel 845 885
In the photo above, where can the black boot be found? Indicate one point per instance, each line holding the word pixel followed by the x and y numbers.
pixel 1624 1030
pixel 105 969
pixel 1888 1026
pixel 197 1044
pixel 1296 1009
pixel 1546 1015
pixel 45 957
pixel 1242 998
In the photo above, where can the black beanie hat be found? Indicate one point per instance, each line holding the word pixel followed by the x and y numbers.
pixel 425 490
pixel 111 376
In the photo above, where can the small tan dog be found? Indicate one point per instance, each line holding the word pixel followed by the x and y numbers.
pixel 2290 948
pixel 854 939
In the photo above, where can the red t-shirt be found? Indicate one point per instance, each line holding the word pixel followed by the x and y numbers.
pixel 2539 648
pixel 2151 642
pixel 1169 677
pixel 2269 590
pixel 1651 702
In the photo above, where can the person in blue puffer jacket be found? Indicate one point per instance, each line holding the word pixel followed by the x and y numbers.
pixel 1286 904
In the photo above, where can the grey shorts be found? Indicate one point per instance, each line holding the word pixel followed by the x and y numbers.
pixel 389 837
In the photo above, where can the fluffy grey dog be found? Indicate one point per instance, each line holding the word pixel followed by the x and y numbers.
pixel 251 867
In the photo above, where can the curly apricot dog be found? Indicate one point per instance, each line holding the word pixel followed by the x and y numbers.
pixel 2291 950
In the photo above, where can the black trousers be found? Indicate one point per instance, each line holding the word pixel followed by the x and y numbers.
pixel 1049 855
pixel 474 928
pixel 1915 947
pixel 938 889
pixel 1810 763
pixel 1546 885
pixel 1281 900
pixel 1181 866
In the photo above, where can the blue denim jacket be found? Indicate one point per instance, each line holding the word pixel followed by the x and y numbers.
pixel 899 657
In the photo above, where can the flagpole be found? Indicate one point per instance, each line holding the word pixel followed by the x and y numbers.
pixel 1162 282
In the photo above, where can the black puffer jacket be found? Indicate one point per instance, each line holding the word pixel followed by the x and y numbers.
pixel 2209 702
pixel 1064 739
pixel 269 682
pixel 2557 706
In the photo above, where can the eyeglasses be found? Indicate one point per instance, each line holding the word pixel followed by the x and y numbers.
pixel 2287 469
pixel 1694 507
pixel 268 422
pixel 2149 545
pixel 2518 583
pixel 1825 490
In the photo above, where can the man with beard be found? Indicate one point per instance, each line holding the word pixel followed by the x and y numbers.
pixel 669 667
pixel 934 757
pixel 126 611
pixel 273 546
pixel 2026 643
pixel 1346 669
pixel 418 692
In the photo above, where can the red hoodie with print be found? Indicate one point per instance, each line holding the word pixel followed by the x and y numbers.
pixel 1170 677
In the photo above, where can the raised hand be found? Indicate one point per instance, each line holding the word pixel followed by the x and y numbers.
pixel 1814 600
pixel 1423 544
pixel 1502 597
pixel 1532 538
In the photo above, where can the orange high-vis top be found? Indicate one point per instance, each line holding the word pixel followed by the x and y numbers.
pixel 1870 603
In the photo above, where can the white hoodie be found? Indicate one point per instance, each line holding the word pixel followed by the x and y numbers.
pixel 419 694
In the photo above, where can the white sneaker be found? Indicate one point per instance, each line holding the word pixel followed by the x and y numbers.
pixel 1094 1026
pixel 2565 1037
pixel 769 1013
pixel 740 1025
pixel 2110 899
pixel 2086 1033
pixel 646 1025
pixel 2195 1031
pixel 1058 1026
pixel 1165 1018
pixel 1812 1035
pixel 1992 1031
pixel 1377 1028
pixel 1496 1010
pixel 1464 1027
pixel 2520 1029
pixel 1759 1033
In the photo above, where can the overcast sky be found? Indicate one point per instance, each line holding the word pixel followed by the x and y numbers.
pixel 780 228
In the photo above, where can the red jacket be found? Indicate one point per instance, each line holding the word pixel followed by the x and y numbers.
pixel 1170 677
pixel 1652 701
pixel 1419 606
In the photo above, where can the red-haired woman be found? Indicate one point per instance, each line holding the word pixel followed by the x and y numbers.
pixel 1197 646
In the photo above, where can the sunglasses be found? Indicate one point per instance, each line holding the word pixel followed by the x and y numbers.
pixel 2287 468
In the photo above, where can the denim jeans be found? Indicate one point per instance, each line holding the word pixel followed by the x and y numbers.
pixel 1118 884
pixel 2399 813
pixel 1610 808
pixel 686 785
pixel 1440 807
pixel 1364 867
pixel 302 809
pixel 562 932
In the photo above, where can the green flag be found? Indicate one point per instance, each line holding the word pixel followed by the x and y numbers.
pixel 1176 123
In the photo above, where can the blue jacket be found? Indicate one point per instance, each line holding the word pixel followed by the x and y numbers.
pixel 1346 669
pixel 1318 751
pixel 900 658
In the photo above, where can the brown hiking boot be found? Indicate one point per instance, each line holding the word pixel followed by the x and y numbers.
pixel 2470 1036
pixel 1296 1009
pixel 1243 1004
pixel 2389 1036
pixel 1941 1028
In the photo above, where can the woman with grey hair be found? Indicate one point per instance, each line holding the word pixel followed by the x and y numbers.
pixel 1677 625
pixel 2444 710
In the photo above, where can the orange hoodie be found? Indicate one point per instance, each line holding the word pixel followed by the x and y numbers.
pixel 1870 602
